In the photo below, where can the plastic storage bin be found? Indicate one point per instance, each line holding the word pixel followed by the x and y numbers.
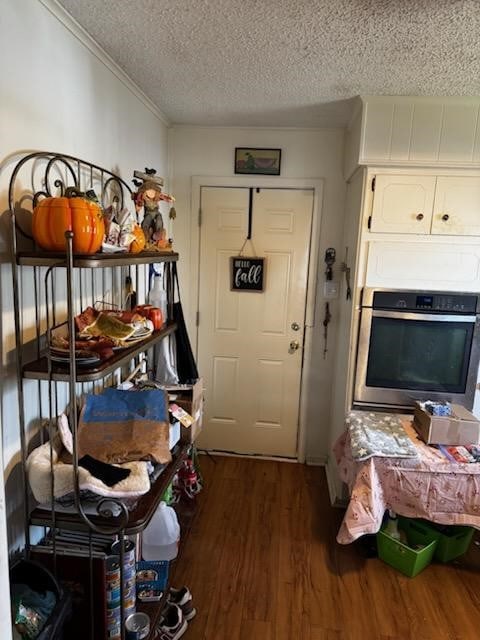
pixel 38 578
pixel 418 532
pixel 452 540
pixel 403 557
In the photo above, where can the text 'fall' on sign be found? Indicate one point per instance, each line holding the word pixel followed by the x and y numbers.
pixel 247 274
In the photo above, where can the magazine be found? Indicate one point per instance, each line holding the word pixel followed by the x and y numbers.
pixel 464 454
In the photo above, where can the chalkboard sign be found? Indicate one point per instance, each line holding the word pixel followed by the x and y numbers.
pixel 247 273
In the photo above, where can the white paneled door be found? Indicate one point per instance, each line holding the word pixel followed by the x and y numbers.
pixel 250 344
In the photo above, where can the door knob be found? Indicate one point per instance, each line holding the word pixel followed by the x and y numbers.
pixel 294 345
pixel 419 216
pixel 445 217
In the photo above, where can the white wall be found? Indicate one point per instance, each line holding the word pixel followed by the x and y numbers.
pixel 199 151
pixel 58 92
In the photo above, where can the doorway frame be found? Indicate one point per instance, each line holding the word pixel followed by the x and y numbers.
pixel 317 186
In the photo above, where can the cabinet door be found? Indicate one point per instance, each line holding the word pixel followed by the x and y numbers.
pixel 456 210
pixel 403 204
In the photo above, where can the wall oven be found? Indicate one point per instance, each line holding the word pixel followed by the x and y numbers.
pixel 417 345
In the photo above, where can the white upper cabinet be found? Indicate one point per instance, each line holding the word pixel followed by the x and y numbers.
pixel 402 204
pixel 419 131
pixel 456 210
pixel 437 205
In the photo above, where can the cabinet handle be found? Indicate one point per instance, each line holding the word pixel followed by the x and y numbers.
pixel 419 216
pixel 445 217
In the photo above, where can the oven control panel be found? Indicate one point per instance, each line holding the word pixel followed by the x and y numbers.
pixel 422 302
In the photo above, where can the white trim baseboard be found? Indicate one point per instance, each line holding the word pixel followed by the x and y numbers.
pixel 332 483
pixel 232 454
pixel 86 39
pixel 316 461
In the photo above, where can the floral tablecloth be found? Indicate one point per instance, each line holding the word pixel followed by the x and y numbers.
pixel 429 487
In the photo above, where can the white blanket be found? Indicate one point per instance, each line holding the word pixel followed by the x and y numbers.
pixel 38 470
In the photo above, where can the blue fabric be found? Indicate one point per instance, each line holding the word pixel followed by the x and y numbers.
pixel 115 405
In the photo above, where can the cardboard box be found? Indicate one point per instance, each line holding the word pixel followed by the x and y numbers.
pixel 461 428
pixel 190 398
pixel 194 430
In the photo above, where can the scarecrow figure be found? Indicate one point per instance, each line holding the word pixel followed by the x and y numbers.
pixel 148 197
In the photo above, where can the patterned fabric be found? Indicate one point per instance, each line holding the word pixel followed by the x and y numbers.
pixel 378 434
pixel 429 487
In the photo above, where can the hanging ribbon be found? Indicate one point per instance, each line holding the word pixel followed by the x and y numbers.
pixel 250 223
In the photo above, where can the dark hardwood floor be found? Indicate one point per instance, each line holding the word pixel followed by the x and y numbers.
pixel 262 563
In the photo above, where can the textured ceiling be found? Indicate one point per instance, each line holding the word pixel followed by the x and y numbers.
pixel 285 62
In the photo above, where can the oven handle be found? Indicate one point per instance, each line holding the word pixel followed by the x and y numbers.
pixel 404 315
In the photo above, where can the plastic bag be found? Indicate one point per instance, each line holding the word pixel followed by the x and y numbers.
pixel 166 371
pixel 31 610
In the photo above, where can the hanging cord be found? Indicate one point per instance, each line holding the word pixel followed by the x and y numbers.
pixel 250 223
pixel 326 322
pixel 243 246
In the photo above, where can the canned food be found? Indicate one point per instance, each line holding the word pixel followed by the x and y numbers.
pixel 129 612
pixel 128 552
pixel 113 597
pixel 129 606
pixel 114 634
pixel 129 575
pixel 113 617
pixel 112 580
pixel 129 593
pixel 137 626
pixel 112 567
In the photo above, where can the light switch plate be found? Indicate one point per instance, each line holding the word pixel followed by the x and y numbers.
pixel 330 289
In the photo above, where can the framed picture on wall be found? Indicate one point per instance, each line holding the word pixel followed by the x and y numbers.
pixel 258 161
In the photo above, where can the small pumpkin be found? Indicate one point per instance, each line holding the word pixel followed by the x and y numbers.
pixel 138 244
pixel 71 212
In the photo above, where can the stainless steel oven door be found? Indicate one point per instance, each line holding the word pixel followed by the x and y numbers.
pixel 405 356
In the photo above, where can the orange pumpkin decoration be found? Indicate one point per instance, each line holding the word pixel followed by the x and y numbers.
pixel 139 242
pixel 53 216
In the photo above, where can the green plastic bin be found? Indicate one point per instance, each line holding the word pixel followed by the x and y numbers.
pixel 452 540
pixel 403 557
pixel 418 532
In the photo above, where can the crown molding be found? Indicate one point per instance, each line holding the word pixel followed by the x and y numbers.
pixel 86 39
pixel 246 128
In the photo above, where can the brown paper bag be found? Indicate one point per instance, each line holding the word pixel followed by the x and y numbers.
pixel 115 428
